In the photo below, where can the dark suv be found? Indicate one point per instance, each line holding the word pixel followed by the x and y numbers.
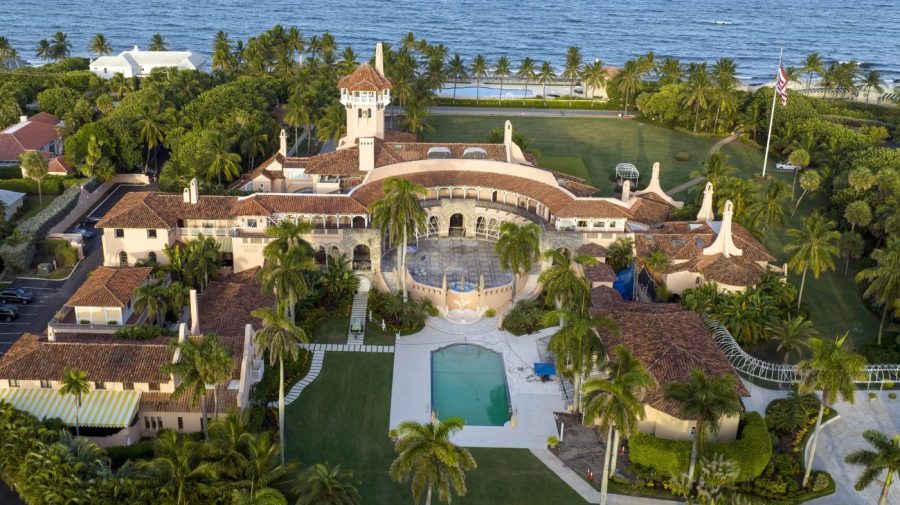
pixel 9 312
pixel 16 295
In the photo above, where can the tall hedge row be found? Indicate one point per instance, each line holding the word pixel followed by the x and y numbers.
pixel 20 256
pixel 751 452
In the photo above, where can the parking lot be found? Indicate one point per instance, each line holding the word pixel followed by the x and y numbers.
pixel 50 295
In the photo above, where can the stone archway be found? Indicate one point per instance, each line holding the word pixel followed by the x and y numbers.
pixel 362 257
pixel 457 225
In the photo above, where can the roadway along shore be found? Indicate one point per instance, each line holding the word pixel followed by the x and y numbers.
pixel 509 111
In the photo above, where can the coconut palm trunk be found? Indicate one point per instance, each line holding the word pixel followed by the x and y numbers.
pixel 205 421
pixel 614 459
pixel 281 406
pixel 815 441
pixel 428 495
pixel 802 284
pixel 402 255
pixel 77 416
pixel 885 488
pixel 604 479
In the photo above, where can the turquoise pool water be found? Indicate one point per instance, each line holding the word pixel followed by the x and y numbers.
pixel 469 381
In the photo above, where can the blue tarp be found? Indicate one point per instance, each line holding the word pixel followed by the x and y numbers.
pixel 544 369
pixel 624 282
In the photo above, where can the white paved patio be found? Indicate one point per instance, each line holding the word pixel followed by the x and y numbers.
pixel 533 403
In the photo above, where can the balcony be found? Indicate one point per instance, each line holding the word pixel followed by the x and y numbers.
pixel 207 232
pixel 64 322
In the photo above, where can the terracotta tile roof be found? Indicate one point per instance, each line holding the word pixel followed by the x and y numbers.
pixel 419 150
pixel 164 402
pixel 734 270
pixel 399 136
pixel 577 185
pixel 306 203
pixel 650 209
pixel 592 249
pixel 601 272
pixel 46 118
pixel 34 358
pixel 226 304
pixel 592 207
pixel 109 287
pixel 682 240
pixel 163 210
pixel 59 165
pixel 365 78
pixel 669 342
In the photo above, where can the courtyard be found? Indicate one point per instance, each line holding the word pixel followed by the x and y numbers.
pixel 461 260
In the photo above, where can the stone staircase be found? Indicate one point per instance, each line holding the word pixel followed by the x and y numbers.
pixel 531 289
pixel 390 278
pixel 358 311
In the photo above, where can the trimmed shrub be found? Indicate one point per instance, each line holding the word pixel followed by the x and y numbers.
pixel 751 452
pixel 490 312
pixel 51 185
pixel 59 250
pixel 682 156
pixel 118 455
pixel 526 316
pixel 13 172
pixel 266 390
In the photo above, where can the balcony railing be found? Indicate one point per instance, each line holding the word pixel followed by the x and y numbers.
pixel 208 232
pixel 57 325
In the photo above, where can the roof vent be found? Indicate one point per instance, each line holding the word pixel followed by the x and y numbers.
pixel 475 153
pixel 439 153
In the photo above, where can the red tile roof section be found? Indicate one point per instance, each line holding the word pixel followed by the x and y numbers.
pixel 365 78
pixel 109 287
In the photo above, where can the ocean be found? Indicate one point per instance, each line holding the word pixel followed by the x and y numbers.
pixel 751 32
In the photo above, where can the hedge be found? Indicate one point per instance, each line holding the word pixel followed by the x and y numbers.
pixel 19 257
pixel 59 250
pixel 751 452
pixel 51 185
pixel 11 172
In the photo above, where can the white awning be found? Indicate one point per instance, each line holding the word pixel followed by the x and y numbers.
pixel 100 409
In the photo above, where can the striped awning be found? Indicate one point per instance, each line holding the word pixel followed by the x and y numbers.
pixel 99 409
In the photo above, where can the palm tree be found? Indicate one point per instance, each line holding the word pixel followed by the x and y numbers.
pixel 526 72
pixel 414 119
pixel 222 57
pixel 885 458
pixel 813 63
pixel 594 77
pixel 456 70
pixel 813 245
pixel 281 338
pixel 217 366
pixel 706 400
pixel 628 81
pixel 699 89
pixel 615 403
pixel 620 253
pixel 153 126
pixel 332 124
pixel 479 71
pixel 833 371
pixel 809 183
pixel 151 299
pixel 852 245
pixel 157 43
pixel 572 69
pixel 35 166
pixel 564 283
pixel 60 46
pixel 884 280
pixel 767 204
pixel 285 235
pixel 321 484
pixel 254 140
pixel 100 46
pixel 502 70
pixel 800 158
pixel 792 335
pixel 872 81
pixel 517 248
pixel 398 215
pixel 178 468
pixel 546 75
pixel 670 72
pixel 75 383
pixel 296 115
pixel 348 61
pixel 424 451
pixel 284 275
pixel 265 496
pixel 43 50
pixel 715 170
pixel 202 363
pixel 7 52
pixel 219 158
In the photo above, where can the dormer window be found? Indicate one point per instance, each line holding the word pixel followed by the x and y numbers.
pixel 475 153
pixel 251 223
pixel 439 153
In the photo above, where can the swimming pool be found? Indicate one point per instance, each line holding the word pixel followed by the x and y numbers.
pixel 469 381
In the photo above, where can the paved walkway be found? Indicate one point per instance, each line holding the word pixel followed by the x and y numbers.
pixel 314 368
pixel 358 312
pixel 697 180
pixel 348 348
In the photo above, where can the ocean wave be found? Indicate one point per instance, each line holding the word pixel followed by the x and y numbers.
pixel 718 22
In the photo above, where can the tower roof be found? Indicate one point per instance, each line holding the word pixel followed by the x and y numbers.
pixel 365 78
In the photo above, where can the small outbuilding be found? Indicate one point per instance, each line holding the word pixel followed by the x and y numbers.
pixel 11 200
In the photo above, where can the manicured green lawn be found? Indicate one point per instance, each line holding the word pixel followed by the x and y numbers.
pixel 343 416
pixel 832 298
pixel 600 143
pixel 332 331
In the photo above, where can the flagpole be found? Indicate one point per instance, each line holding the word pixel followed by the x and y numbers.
pixel 772 114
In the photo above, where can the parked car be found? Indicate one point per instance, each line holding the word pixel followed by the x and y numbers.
pixel 16 295
pixel 91 221
pixel 9 312
pixel 785 167
pixel 84 232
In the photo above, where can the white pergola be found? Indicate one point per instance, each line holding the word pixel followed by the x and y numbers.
pixel 627 171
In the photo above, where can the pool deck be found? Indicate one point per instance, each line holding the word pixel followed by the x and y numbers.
pixel 533 402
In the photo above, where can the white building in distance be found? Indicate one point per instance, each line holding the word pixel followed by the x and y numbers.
pixel 137 63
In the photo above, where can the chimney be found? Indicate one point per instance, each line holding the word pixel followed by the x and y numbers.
pixel 706 208
pixel 723 244
pixel 507 133
pixel 366 154
pixel 282 149
pixel 626 191
pixel 186 195
pixel 23 118
pixel 195 313
pixel 135 48
pixel 195 192
pixel 182 332
pixel 654 186
pixel 379 58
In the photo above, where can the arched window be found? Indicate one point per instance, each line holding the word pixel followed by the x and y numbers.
pixel 151 257
pixel 123 259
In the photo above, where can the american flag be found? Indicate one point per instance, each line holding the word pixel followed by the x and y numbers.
pixel 781 85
